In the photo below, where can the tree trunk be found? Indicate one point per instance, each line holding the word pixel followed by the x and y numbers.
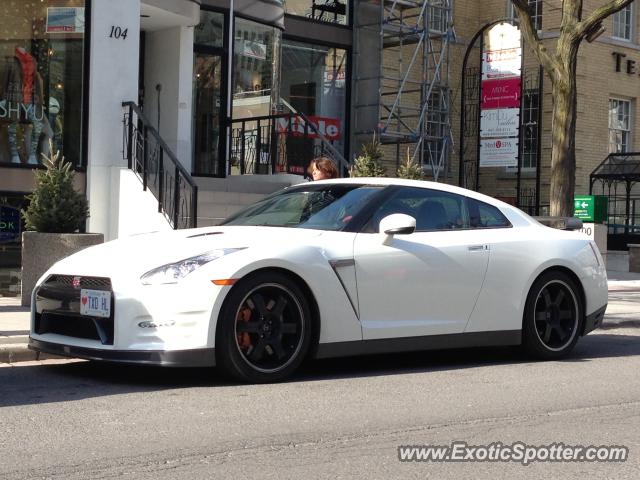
pixel 563 128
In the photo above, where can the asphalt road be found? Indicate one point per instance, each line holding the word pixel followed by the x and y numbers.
pixel 337 419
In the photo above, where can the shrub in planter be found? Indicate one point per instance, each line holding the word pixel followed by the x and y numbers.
pixel 410 170
pixel 55 213
pixel 368 163
pixel 55 206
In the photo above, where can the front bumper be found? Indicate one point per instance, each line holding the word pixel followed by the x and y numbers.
pixel 594 320
pixel 199 357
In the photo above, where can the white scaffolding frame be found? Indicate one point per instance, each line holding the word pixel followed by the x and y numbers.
pixel 413 101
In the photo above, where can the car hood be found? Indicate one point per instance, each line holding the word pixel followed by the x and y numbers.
pixel 140 253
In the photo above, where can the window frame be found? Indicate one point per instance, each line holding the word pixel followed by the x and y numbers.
pixel 626 132
pixel 628 23
pixel 536 6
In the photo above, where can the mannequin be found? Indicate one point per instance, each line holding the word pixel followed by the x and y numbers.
pixel 23 95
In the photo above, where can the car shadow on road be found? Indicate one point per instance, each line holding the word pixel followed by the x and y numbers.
pixel 61 382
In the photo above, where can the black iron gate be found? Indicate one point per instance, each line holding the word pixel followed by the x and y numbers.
pixel 518 185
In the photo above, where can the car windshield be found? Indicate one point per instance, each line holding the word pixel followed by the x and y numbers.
pixel 320 207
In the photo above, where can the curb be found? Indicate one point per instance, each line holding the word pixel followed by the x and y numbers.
pixel 19 352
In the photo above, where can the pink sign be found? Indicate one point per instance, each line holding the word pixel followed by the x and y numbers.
pixel 501 93
pixel 327 127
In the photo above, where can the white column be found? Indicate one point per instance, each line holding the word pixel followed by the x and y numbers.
pixel 169 64
pixel 113 79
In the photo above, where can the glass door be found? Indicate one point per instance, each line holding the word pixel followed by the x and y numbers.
pixel 207 98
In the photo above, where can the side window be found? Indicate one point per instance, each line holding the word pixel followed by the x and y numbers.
pixel 483 215
pixel 433 209
pixel 441 211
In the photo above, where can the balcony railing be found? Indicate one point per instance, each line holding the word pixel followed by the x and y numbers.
pixel 283 143
pixel 159 169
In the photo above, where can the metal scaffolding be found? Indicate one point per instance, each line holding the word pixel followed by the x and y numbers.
pixel 401 82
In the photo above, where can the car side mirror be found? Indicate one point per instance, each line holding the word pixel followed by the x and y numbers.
pixel 396 224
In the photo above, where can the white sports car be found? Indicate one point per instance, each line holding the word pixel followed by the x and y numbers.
pixel 324 269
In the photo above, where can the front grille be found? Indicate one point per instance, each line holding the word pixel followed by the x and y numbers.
pixel 76 326
pixel 57 303
pixel 94 283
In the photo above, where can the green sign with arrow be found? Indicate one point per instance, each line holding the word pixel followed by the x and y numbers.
pixel 591 208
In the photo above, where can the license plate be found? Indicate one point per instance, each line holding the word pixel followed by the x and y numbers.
pixel 95 303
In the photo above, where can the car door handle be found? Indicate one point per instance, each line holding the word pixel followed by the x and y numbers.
pixel 474 248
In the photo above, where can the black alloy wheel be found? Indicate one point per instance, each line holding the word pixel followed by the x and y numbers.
pixel 553 316
pixel 265 328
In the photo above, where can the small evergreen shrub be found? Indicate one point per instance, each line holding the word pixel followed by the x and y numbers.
pixel 55 206
pixel 367 164
pixel 410 169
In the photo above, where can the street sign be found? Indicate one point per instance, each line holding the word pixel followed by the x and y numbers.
pixel 591 208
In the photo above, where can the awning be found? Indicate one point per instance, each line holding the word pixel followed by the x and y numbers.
pixel 618 167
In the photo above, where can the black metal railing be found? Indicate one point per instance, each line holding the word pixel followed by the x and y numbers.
pixel 159 169
pixel 284 142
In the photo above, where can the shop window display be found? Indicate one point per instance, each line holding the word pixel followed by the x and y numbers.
pixel 256 66
pixel 314 83
pixel 41 79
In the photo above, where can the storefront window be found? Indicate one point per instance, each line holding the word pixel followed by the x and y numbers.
pixel 333 11
pixel 208 104
pixel 210 31
pixel 314 83
pixel 41 79
pixel 255 69
pixel 11 226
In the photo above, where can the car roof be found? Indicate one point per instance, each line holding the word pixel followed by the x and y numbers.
pixel 506 208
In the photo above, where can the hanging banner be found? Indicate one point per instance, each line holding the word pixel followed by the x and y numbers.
pixel 501 122
pixel 499 152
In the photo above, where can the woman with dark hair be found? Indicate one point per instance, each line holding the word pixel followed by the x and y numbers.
pixel 322 168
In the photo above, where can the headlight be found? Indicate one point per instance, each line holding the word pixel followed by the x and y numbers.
pixel 173 272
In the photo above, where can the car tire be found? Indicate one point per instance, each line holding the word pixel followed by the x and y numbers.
pixel 264 329
pixel 553 316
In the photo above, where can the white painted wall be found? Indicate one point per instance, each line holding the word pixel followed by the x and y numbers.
pixel 113 79
pixel 169 63
pixel 131 201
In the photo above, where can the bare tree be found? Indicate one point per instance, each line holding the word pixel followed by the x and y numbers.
pixel 560 67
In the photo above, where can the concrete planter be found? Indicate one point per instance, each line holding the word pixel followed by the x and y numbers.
pixel 41 250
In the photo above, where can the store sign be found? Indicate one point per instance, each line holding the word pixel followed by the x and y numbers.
pixel 65 20
pixel 501 122
pixel 501 63
pixel 17 111
pixel 624 64
pixel 327 127
pixel 499 152
pixel 502 93
pixel 9 224
pixel 501 88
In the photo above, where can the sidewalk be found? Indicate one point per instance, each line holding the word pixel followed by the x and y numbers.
pixel 14 331
pixel 14 319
